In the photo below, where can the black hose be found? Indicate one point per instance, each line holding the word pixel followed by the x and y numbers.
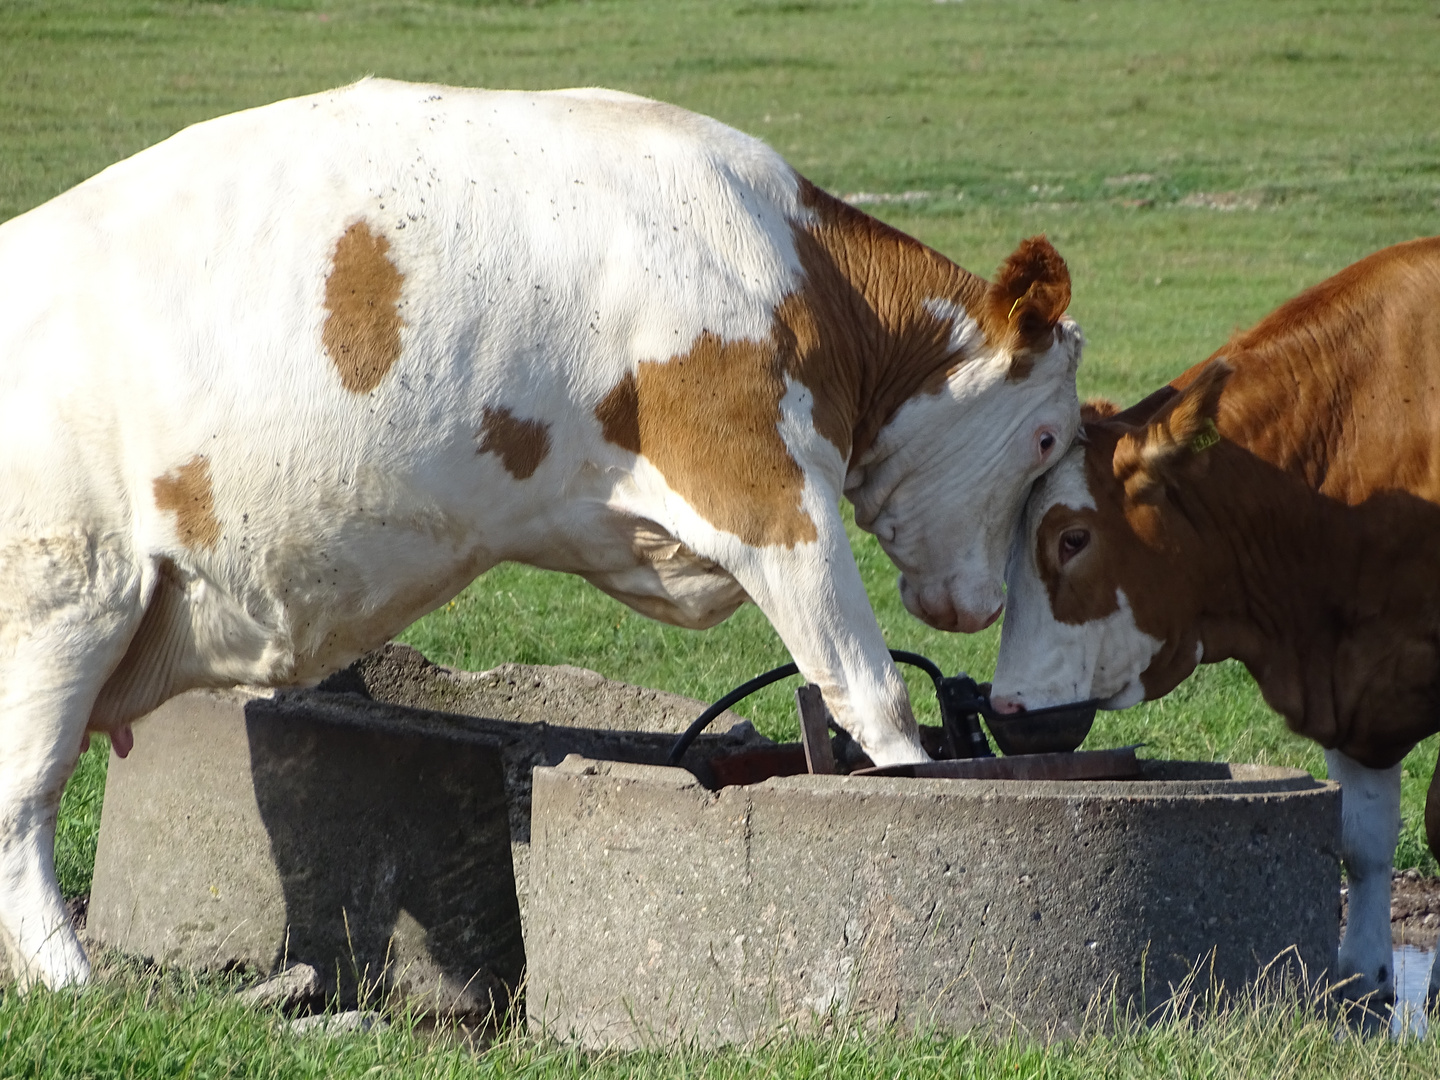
pixel 900 656
pixel 744 690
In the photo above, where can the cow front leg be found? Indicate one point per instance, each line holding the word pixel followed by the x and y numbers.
pixel 1370 826
pixel 813 596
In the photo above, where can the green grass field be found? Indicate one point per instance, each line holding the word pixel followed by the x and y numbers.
pixel 1196 164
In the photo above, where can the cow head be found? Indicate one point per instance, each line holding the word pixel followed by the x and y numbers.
pixel 1103 603
pixel 943 483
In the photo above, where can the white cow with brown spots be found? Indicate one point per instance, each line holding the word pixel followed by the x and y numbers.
pixel 280 385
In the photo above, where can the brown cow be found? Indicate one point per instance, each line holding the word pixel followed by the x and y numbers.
pixel 1276 504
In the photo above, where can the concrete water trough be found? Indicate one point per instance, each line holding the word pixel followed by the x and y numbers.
pixel 661 911
pixel 384 830
pixel 376 829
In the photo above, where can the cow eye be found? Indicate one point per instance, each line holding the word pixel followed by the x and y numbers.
pixel 1047 442
pixel 1072 542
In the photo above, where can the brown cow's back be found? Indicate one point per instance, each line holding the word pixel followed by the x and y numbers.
pixel 1318 389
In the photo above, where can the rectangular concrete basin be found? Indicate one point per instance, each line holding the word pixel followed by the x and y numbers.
pixel 377 829
pixel 250 831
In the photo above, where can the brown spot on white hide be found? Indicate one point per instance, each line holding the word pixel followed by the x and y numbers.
pixel 362 294
pixel 521 445
pixel 708 419
pixel 186 493
pixel 619 414
pixel 866 336
pixel 861 332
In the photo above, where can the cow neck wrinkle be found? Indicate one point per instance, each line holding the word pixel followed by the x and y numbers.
pixel 860 335
pixel 1336 636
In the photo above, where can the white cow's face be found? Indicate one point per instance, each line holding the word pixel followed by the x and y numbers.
pixel 951 470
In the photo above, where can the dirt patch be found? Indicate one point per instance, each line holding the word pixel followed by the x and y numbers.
pixel 1227 201
pixel 1414 909
pixel 78 907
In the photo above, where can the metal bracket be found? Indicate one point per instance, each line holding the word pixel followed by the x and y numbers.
pixel 961 699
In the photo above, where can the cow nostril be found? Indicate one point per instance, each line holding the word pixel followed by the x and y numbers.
pixel 1007 706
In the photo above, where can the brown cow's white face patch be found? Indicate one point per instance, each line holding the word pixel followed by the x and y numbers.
pixel 1071 633
pixel 710 419
pixel 362 295
pixel 1107 582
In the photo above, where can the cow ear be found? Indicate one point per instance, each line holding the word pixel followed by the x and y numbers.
pixel 1030 293
pixel 1096 410
pixel 1144 410
pixel 1177 435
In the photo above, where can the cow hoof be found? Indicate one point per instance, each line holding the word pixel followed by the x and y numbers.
pixel 58 965
pixel 1369 1001
pixel 897 751
pixel 1367 1016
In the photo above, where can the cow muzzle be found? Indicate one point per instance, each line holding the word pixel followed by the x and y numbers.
pixel 938 605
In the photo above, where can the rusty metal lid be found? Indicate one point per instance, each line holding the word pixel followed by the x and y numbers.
pixel 1117 764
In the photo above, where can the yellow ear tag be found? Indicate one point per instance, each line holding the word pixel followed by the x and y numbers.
pixel 1207 438
pixel 1014 306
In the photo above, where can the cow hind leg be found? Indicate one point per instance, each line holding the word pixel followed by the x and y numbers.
pixel 1370 826
pixel 41 730
pixel 34 925
pixel 52 666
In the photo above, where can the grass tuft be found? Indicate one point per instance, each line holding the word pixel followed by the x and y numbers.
pixel 137 1021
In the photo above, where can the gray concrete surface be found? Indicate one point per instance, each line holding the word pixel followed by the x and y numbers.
pixel 533 694
pixel 661 912
pixel 250 831
pixel 298 986
pixel 541 714
pixel 345 829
